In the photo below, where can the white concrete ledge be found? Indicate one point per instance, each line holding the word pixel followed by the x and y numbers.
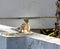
pixel 45 38
pixel 4 28
pixel 34 41
pixel 17 40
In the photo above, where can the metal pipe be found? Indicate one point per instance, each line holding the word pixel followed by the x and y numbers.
pixel 28 17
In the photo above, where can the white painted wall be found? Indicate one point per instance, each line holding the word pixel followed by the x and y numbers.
pixel 19 8
pixel 27 8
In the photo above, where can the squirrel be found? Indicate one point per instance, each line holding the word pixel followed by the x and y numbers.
pixel 25 26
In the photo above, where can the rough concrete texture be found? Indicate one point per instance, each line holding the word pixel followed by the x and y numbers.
pixel 35 41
